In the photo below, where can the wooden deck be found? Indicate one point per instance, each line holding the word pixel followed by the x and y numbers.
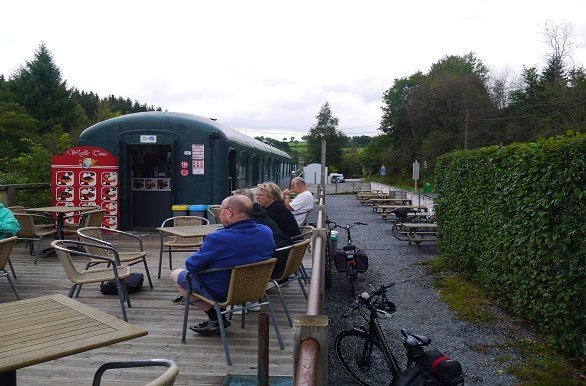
pixel 201 360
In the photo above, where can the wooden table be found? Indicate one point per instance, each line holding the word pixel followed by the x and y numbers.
pixel 421 232
pixel 388 209
pixel 60 211
pixel 41 329
pixel 185 231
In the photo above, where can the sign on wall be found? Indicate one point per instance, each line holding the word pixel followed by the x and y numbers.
pixel 197 159
pixel 86 176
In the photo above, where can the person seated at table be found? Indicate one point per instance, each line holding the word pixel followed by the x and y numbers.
pixel 260 216
pixel 302 203
pixel 9 225
pixel 241 241
pixel 269 196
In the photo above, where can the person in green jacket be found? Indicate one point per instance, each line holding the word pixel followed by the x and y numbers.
pixel 9 225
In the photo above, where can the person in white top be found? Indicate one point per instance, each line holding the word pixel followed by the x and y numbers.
pixel 301 203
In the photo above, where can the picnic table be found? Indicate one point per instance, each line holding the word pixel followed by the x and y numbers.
pixel 421 232
pixel 41 329
pixel 376 202
pixel 386 210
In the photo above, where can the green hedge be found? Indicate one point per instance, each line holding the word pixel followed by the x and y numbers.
pixel 513 219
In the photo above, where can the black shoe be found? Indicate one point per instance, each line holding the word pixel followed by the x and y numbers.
pixel 209 327
pixel 178 298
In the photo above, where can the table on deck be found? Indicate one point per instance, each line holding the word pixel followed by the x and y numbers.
pixel 41 329
pixel 185 231
pixel 60 211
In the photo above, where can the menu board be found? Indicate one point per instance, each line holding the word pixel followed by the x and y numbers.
pixel 86 176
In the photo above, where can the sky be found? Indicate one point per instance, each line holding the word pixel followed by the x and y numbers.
pixel 267 67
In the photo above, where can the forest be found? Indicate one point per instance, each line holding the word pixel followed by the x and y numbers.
pixel 457 104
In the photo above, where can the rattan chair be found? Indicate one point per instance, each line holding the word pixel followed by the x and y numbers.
pixel 29 231
pixel 165 379
pixel 114 272
pixel 290 273
pixel 306 233
pixel 5 249
pixel 248 283
pixel 95 235
pixel 214 214
pixel 177 243
pixel 91 218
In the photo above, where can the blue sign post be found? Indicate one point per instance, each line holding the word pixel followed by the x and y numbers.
pixel 383 173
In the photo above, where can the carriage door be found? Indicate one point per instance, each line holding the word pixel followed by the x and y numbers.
pixel 151 195
pixel 233 171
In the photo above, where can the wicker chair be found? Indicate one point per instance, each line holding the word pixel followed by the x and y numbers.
pixel 165 379
pixel 306 233
pixel 95 235
pixel 29 231
pixel 114 271
pixel 248 283
pixel 5 249
pixel 177 243
pixel 290 273
pixel 92 218
pixel 214 213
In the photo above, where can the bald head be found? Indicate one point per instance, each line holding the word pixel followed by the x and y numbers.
pixel 234 209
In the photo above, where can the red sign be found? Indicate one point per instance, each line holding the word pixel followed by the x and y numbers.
pixel 184 165
pixel 184 172
pixel 86 176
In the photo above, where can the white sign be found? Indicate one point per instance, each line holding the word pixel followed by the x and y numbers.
pixel 197 159
pixel 416 170
pixel 148 139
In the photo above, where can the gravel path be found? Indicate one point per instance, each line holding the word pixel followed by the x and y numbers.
pixel 477 347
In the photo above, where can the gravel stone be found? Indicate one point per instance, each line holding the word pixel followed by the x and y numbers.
pixel 479 348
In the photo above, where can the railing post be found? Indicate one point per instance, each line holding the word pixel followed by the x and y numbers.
pixel 313 327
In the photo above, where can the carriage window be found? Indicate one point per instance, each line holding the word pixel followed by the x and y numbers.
pixel 243 170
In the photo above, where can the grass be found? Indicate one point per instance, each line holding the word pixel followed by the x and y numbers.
pixel 539 364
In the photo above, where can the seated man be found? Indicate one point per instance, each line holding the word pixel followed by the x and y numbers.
pixel 241 241
pixel 302 203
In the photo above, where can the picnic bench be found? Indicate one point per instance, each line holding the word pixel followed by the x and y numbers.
pixel 421 232
pixel 386 210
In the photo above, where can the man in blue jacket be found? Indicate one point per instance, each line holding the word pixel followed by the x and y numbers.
pixel 241 241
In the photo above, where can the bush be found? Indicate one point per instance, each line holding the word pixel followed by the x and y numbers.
pixel 512 219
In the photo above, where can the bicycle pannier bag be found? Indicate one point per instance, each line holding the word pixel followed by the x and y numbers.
pixel 133 284
pixel 413 376
pixel 448 371
pixel 360 257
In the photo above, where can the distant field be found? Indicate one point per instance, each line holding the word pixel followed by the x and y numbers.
pixel 299 146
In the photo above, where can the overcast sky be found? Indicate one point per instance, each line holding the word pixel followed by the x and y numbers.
pixel 267 67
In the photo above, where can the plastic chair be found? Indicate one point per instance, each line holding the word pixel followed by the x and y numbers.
pixel 29 231
pixel 165 379
pixel 290 273
pixel 95 235
pixel 177 243
pixel 114 271
pixel 5 249
pixel 248 283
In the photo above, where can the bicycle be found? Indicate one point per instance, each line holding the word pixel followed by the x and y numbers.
pixel 402 216
pixel 365 355
pixel 350 266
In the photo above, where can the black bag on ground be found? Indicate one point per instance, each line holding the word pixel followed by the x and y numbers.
pixel 359 256
pixel 133 284
pixel 413 376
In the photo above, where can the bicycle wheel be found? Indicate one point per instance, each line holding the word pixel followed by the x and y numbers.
pixel 363 359
pixel 398 232
pixel 352 276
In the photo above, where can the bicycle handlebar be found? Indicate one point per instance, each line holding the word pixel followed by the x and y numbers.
pixel 346 226
pixel 365 298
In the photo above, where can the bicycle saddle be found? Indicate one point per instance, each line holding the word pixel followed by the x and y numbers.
pixel 349 247
pixel 413 340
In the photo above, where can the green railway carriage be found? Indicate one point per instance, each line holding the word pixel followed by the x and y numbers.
pixel 175 158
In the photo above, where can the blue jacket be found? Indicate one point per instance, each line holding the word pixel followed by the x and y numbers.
pixel 9 225
pixel 240 243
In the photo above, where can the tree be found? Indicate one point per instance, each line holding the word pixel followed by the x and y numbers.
pixel 325 129
pixel 40 89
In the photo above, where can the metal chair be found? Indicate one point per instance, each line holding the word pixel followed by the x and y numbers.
pixel 165 379
pixel 95 235
pixel 248 283
pixel 114 271
pixel 214 213
pixel 177 243
pixel 290 273
pixel 29 231
pixel 5 249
